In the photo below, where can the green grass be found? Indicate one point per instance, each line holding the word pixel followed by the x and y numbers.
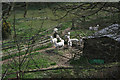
pixel 39 59
pixel 82 32
pixel 75 73
pixel 12 55
pixel 66 25
pixel 43 47
pixel 53 63
pixel 23 53
pixel 50 74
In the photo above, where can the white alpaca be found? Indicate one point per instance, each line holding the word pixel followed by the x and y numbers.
pixel 59 44
pixel 70 40
pixel 69 43
pixel 53 40
pixel 96 28
pixel 90 28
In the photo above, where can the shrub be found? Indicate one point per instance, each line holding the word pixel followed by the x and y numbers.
pixel 6 31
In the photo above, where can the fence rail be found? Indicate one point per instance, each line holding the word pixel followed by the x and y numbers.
pixel 38 44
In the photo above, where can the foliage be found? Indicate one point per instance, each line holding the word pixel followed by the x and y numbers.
pixel 6 29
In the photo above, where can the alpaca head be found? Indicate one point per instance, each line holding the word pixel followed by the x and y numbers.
pixel 97 25
pixel 68 33
pixel 55 29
